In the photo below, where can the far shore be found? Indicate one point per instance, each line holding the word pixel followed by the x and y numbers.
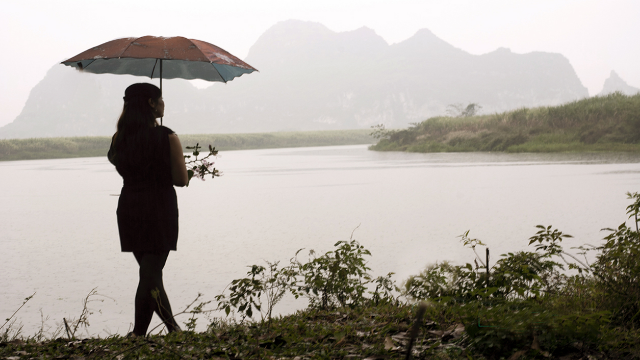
pixel 94 146
pixel 608 123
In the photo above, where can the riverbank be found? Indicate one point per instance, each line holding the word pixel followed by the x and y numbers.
pixel 374 332
pixel 92 146
pixel 369 332
pixel 608 123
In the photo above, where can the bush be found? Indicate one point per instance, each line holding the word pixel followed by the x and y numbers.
pixel 617 270
pixel 529 302
pixel 337 278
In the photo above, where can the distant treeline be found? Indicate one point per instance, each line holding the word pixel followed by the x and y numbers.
pixel 607 123
pixel 54 148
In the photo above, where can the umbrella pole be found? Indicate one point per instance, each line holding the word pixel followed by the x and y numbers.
pixel 161 87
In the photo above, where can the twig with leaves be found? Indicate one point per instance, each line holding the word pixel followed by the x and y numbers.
pixel 191 323
pixel 634 208
pixel 467 241
pixel 26 300
pixel 202 167
pixel 244 294
pixel 83 320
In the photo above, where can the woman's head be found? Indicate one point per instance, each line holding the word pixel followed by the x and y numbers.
pixel 142 105
pixel 146 97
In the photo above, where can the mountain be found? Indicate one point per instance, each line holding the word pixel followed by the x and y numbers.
pixel 615 83
pixel 312 78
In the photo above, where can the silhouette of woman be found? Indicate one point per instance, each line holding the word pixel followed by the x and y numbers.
pixel 150 160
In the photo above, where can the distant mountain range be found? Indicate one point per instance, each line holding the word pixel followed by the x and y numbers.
pixel 312 78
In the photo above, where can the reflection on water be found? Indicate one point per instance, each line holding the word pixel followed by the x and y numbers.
pixel 59 234
pixel 344 158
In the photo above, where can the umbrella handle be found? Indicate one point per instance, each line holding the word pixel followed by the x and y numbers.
pixel 161 87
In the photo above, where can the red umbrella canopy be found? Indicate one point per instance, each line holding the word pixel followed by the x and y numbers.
pixel 164 57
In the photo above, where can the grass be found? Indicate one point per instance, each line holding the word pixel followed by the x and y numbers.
pixel 71 147
pixel 608 123
pixel 371 331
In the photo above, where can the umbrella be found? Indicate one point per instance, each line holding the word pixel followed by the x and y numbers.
pixel 162 57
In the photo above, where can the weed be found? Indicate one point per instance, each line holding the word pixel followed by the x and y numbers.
pixel 11 330
pixel 337 278
pixel 72 325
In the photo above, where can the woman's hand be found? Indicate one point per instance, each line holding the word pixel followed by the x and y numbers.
pixel 178 167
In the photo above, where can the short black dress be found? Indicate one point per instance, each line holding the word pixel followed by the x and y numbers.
pixel 148 207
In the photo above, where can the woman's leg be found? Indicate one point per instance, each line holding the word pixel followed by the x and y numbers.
pixel 151 265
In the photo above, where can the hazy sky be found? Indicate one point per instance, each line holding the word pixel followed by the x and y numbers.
pixel 596 36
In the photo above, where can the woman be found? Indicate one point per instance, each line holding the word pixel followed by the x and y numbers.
pixel 150 160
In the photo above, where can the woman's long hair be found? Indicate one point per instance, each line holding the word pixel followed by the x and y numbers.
pixel 133 145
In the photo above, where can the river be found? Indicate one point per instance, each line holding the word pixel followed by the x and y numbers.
pixel 60 240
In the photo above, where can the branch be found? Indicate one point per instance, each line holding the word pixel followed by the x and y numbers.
pixel 575 258
pixel 478 256
pixel 185 311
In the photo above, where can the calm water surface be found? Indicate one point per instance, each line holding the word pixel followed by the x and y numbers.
pixel 59 235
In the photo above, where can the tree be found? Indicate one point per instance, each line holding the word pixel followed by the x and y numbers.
pixel 459 110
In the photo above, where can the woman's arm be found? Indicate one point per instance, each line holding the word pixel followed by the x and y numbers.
pixel 178 167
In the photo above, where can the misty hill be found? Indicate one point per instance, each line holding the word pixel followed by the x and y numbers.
pixel 615 84
pixel 312 78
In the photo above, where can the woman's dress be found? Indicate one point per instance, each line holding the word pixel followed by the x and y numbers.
pixel 148 207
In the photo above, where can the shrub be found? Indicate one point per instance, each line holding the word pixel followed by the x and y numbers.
pixel 617 270
pixel 337 278
pixel 526 300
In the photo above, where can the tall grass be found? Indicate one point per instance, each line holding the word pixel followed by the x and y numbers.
pixel 607 123
pixel 54 148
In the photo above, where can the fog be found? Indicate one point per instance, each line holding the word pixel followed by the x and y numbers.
pixel 595 37
pixel 313 78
